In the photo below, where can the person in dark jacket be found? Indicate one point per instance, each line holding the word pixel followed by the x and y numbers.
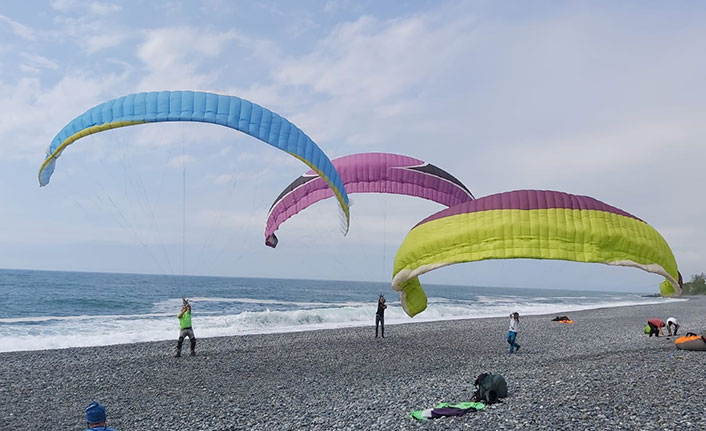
pixel 380 316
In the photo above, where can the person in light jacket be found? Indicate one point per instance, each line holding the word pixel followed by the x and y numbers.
pixel 672 323
pixel 512 331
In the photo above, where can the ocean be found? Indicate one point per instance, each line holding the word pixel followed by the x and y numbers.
pixel 47 309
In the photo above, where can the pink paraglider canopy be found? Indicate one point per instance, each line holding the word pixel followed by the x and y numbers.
pixel 368 173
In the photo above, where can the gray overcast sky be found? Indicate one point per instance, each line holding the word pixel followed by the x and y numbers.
pixel 605 99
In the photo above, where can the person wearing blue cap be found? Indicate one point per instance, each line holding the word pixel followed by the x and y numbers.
pixel 95 416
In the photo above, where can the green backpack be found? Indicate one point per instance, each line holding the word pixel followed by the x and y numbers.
pixel 647 329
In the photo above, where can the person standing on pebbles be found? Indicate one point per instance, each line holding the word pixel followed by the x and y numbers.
pixel 512 332
pixel 185 329
pixel 380 316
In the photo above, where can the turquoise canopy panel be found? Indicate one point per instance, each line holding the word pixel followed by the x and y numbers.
pixel 228 111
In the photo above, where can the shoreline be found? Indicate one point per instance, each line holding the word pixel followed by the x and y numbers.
pixel 390 322
pixel 602 372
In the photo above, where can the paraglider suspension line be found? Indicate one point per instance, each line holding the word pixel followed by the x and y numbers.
pixel 183 213
pixel 384 240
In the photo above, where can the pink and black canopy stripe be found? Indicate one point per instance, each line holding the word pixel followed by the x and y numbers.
pixel 368 173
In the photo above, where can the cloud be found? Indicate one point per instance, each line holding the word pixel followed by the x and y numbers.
pixel 223 178
pixel 38 61
pixel 18 28
pixel 181 161
pixel 370 59
pixel 100 8
pixel 64 5
pixel 251 157
pixel 601 154
pixel 336 6
pixel 28 69
pixel 100 42
pixel 93 26
pixel 206 218
pixel 29 114
pixel 89 6
pixel 176 55
pixel 367 75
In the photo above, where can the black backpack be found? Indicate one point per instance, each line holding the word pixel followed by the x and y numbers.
pixel 490 387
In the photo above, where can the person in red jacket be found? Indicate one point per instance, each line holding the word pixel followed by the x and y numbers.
pixel 656 326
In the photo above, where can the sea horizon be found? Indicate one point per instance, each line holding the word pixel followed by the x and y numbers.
pixel 62 309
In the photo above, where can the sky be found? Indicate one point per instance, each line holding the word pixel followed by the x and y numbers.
pixel 604 99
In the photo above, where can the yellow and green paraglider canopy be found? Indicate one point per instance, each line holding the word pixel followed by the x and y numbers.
pixel 535 224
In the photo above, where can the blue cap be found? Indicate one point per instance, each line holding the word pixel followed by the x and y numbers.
pixel 95 413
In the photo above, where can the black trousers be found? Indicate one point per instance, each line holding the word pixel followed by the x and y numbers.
pixel 380 320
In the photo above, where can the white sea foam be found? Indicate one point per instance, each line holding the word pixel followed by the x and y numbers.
pixel 39 319
pixel 173 303
pixel 48 332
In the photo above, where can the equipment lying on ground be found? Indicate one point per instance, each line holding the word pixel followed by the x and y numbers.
pixel 490 387
pixel 691 341
pixel 562 319
pixel 446 409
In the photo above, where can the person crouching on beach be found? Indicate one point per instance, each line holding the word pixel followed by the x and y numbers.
pixel 185 328
pixel 380 316
pixel 95 416
pixel 656 326
pixel 672 322
pixel 512 332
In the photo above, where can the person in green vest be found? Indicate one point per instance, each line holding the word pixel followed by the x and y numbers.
pixel 185 328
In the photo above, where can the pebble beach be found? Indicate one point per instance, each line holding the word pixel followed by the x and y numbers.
pixel 602 372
